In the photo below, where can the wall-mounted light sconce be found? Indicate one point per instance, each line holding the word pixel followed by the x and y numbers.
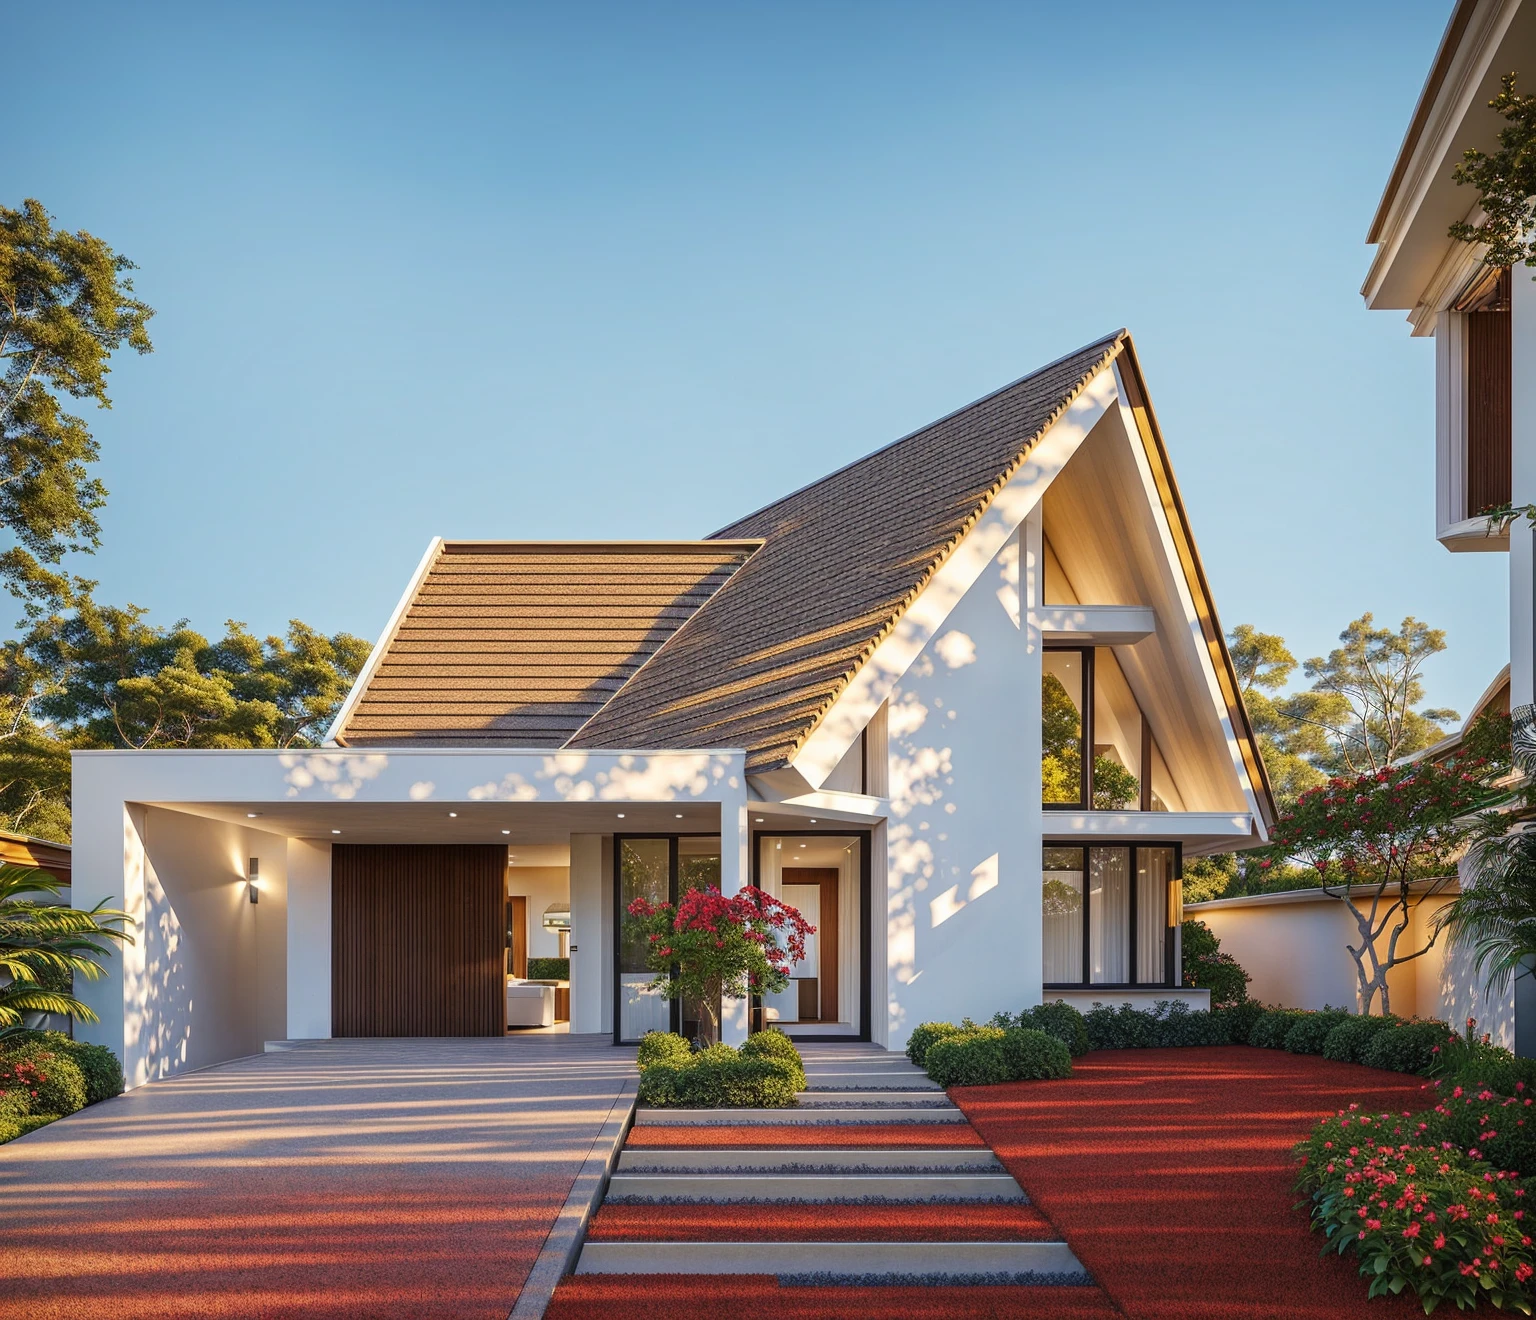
pixel 253 876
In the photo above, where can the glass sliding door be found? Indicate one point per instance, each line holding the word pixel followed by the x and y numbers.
pixel 1062 903
pixel 1109 916
pixel 1155 869
pixel 1108 913
pixel 644 871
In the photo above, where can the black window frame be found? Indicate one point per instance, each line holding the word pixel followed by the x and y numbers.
pixel 1085 734
pixel 675 1006
pixel 1171 979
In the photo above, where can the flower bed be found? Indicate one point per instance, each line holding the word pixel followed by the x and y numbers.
pixel 1418 1214
pixel 44 1075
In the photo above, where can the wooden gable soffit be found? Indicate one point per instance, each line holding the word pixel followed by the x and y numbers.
pixel 1140 407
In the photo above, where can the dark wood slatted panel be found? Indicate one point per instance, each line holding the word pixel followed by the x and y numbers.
pixel 1488 405
pixel 418 940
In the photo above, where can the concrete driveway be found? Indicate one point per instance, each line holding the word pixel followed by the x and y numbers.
pixel 343 1178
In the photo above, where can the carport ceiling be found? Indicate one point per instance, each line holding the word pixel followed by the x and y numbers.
pixel 511 823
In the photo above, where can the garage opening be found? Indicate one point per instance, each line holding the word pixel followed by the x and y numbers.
pixel 418 940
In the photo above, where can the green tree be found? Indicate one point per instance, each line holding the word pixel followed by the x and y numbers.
pixel 1505 181
pixel 1264 666
pixel 66 305
pixel 1362 711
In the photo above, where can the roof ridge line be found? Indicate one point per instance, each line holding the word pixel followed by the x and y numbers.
pixel 1116 343
pixel 1115 338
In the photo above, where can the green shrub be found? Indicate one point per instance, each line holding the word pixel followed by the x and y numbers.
pixel 719 1078
pixel 1166 1023
pixel 1456 1237
pixel 549 969
pixel 1206 967
pixel 968 1058
pixel 52 1080
pixel 32 1122
pixel 662 1047
pixel 924 1035
pixel 1272 1027
pixel 1060 1020
pixel 1035 1055
pixel 98 1065
pixel 1407 1047
pixel 1236 1022
pixel 1347 1041
pixel 1488 1126
pixel 774 1044
pixel 985 1056
pixel 1308 1034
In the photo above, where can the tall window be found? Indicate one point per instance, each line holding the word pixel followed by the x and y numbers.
pixel 1097 749
pixel 1107 914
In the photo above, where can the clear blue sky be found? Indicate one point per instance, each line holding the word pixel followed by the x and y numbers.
pixel 633 270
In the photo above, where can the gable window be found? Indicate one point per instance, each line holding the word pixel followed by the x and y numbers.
pixel 1097 750
pixel 1109 914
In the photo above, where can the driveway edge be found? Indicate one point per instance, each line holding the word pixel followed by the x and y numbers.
pixel 557 1257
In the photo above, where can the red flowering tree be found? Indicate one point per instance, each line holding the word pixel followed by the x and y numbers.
pixel 711 947
pixel 1381 843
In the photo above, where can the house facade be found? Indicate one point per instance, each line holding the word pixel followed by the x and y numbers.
pixel 965 702
pixel 1483 320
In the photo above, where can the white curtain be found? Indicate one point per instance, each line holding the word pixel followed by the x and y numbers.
pixel 1154 869
pixel 1109 915
pixel 1062 908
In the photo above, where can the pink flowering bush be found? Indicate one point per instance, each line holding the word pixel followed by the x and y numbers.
pixel 1418 1214
pixel 710 946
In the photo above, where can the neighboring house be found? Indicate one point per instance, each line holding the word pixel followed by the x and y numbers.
pixel 1483 321
pixel 965 701
pixel 44 854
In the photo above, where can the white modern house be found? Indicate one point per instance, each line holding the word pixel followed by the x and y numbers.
pixel 1483 322
pixel 966 702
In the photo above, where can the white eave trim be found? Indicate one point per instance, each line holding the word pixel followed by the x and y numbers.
pixel 1150 824
pixel 1095 625
pixel 380 647
pixel 830 740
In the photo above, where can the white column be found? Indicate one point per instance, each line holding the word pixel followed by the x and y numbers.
pixel 309 940
pixel 1522 538
pixel 735 875
pixel 591 933
pixel 1032 579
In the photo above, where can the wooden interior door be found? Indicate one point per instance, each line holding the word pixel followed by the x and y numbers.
pixel 517 932
pixel 418 940
pixel 825 877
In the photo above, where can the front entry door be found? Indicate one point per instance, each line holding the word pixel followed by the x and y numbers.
pixel 813 889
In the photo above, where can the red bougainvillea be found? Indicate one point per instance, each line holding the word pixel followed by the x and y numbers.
pixel 710 946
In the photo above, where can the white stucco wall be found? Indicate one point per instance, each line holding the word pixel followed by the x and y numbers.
pixel 1294 948
pixel 541 886
pixel 205 979
pixel 309 940
pixel 963 863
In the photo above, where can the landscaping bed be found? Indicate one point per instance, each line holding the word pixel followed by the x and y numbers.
pixel 44 1076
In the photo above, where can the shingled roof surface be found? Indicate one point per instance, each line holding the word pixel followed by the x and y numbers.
pixel 519 644
pixel 841 561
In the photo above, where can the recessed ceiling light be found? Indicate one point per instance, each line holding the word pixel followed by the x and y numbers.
pixel 813 820
pixel 679 815
pixel 506 831
pixel 759 820
pixel 453 813
pixel 802 845
pixel 251 815
pixel 621 815
pixel 335 831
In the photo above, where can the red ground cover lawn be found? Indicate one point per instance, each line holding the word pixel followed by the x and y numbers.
pixel 1169 1174
pixel 759 1297
pixel 850 1136
pixel 980 1222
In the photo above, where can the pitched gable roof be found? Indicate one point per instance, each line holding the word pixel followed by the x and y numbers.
pixel 519 644
pixel 841 561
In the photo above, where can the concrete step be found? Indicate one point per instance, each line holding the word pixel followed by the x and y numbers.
pixel 874 1099
pixel 801 1115
pixel 808 1160
pixel 869 1081
pixel 802 1187
pixel 1051 1262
